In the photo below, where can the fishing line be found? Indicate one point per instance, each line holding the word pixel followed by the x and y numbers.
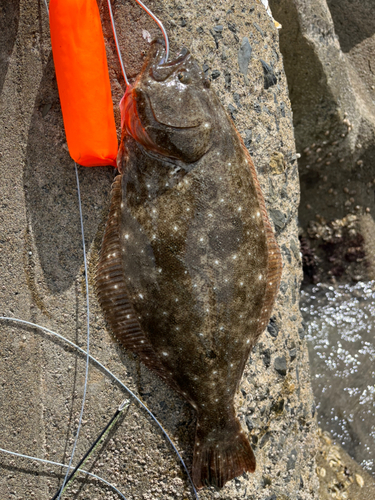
pixel 63 465
pixel 117 44
pixel 157 21
pixel 87 338
pixel 129 391
pixel 46 4
pixel 100 438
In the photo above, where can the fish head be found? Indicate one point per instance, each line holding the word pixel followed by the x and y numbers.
pixel 168 108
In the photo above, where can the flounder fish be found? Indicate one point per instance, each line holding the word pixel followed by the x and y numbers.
pixel 189 267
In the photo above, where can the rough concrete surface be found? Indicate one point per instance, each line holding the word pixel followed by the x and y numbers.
pixel 339 475
pixel 42 277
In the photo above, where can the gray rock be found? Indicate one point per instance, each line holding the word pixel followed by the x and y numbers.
pixel 293 353
pixel 248 138
pixel 280 365
pixel 244 56
pixel 266 357
pixel 269 75
pixel 273 328
pixel 278 218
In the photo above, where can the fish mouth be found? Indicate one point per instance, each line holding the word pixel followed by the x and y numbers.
pixel 159 69
pixel 141 113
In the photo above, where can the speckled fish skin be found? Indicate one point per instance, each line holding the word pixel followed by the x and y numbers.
pixel 189 267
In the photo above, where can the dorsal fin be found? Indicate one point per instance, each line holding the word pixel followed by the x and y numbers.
pixel 113 295
pixel 275 267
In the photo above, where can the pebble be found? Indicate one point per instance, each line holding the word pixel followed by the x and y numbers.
pixel 244 56
pixel 280 365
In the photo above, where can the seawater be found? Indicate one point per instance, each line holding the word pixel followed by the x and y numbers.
pixel 340 326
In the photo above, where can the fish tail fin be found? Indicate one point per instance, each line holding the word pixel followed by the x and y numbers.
pixel 221 454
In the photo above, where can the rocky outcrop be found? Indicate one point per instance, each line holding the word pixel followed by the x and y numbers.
pixel 328 49
pixel 42 278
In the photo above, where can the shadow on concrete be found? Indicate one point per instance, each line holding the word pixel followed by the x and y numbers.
pixel 354 21
pixel 51 191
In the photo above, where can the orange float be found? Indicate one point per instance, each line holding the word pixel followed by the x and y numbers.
pixel 83 81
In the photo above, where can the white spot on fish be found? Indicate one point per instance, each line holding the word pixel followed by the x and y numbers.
pixel 140 296
pixel 165 353
pixel 260 277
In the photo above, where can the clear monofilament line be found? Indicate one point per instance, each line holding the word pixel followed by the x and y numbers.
pixel 117 44
pixel 129 391
pixel 157 21
pixel 87 337
pixel 49 462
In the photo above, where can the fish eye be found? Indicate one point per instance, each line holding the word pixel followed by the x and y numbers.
pixel 184 77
